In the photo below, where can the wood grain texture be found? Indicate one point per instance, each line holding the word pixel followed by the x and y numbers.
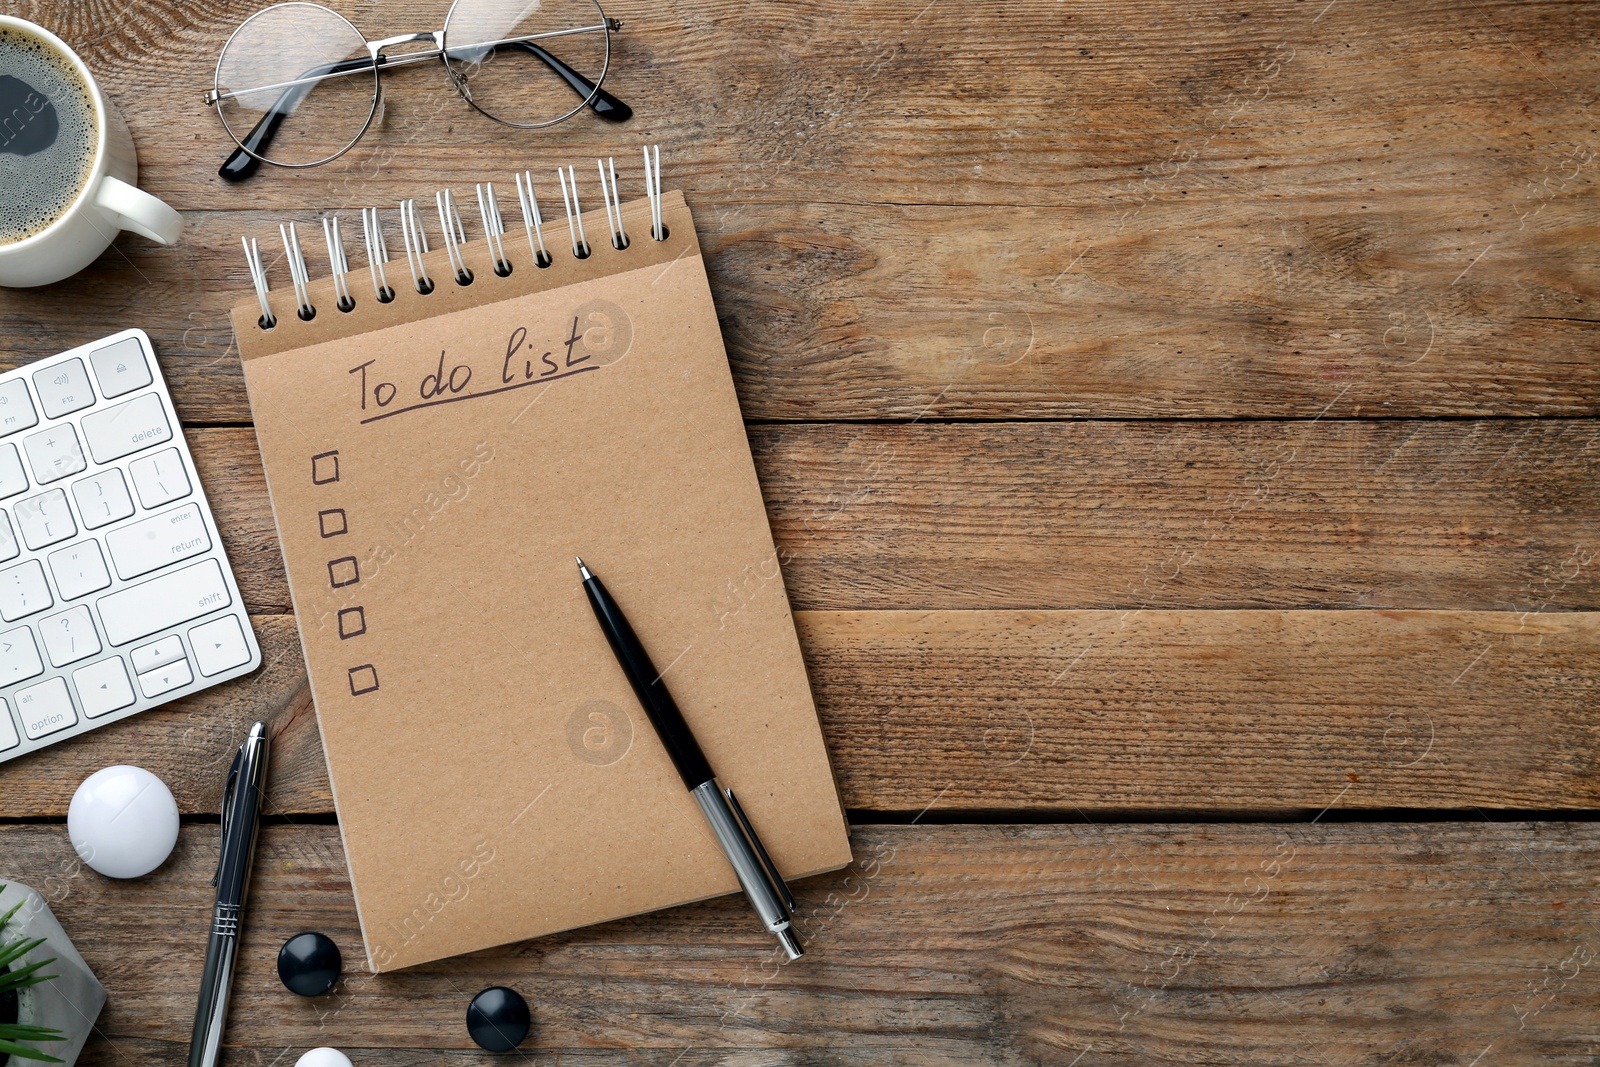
pixel 1291 211
pixel 1036 210
pixel 1491 515
pixel 993 945
pixel 1332 308
pixel 878 101
pixel 1061 714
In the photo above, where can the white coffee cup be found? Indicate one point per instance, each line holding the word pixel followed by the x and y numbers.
pixel 107 203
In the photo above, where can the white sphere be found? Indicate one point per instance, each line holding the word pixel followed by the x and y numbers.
pixel 123 821
pixel 323 1057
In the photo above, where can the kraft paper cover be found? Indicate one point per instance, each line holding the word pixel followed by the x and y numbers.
pixel 435 464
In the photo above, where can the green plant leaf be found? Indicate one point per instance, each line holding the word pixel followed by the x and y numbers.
pixel 12 1035
pixel 29 1032
pixel 24 1052
pixel 16 977
pixel 17 949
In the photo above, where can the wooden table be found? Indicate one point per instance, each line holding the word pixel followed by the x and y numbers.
pixel 1180 425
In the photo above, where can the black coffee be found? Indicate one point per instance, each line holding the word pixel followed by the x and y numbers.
pixel 47 134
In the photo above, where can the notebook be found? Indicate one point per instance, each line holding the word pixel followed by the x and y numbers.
pixel 435 462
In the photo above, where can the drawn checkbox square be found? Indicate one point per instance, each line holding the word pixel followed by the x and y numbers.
pixel 352 622
pixel 332 522
pixel 325 468
pixel 343 571
pixel 363 679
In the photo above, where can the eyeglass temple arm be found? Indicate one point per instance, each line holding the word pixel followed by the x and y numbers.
pixel 241 164
pixel 601 102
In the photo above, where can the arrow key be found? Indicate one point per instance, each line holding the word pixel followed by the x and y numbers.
pixel 103 687
pixel 166 679
pixel 219 645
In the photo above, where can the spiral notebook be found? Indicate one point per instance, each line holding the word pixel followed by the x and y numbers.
pixel 435 462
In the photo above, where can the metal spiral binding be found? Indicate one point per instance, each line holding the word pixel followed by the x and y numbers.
pixel 652 190
pixel 455 237
pixel 494 227
pixel 377 254
pixel 258 278
pixel 416 246
pixel 613 199
pixel 297 272
pixel 531 220
pixel 341 266
pixel 580 243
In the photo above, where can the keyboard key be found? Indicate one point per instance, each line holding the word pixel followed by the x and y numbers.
pixel 16 407
pixel 54 453
pixel 159 479
pixel 45 708
pixel 149 657
pixel 118 431
pixel 23 591
pixel 143 546
pixel 102 498
pixel 103 687
pixel 19 656
pixel 8 540
pixel 166 679
pixel 13 479
pixel 112 578
pixel 45 519
pixel 177 596
pixel 120 368
pixel 63 388
pixel 219 645
pixel 69 636
pixel 79 569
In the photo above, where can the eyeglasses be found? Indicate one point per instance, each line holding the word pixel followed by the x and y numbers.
pixel 298 85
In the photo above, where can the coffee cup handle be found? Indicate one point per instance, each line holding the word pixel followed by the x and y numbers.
pixel 138 211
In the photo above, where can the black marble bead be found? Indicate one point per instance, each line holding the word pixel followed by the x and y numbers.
pixel 309 964
pixel 498 1019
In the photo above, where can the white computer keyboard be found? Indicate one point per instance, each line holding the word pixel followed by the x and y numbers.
pixel 115 594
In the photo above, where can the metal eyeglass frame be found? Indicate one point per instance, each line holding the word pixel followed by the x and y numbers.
pixel 246 158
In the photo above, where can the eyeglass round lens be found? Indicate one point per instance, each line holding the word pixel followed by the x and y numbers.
pixel 296 85
pixel 527 63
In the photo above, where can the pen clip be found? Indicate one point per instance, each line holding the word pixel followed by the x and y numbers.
pixel 228 791
pixel 768 868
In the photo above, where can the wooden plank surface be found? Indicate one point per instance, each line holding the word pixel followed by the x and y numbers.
pixel 1485 515
pixel 847 312
pixel 1061 714
pixel 1023 103
pixel 1030 210
pixel 1003 945
pixel 1302 297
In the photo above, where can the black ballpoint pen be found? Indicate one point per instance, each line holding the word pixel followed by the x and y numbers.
pixel 241 811
pixel 757 874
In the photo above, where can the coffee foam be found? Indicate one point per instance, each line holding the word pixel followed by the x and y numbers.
pixel 48 134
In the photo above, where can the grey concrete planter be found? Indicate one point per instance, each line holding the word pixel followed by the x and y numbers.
pixel 69 1003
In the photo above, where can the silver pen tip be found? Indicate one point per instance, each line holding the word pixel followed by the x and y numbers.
pixel 790 943
pixel 583 571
